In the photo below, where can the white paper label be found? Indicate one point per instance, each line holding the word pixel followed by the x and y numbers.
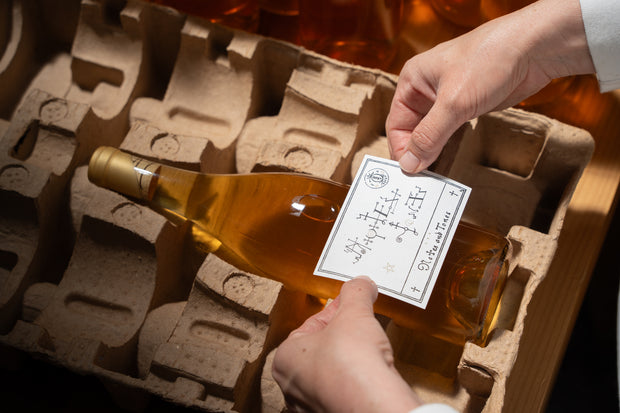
pixel 394 228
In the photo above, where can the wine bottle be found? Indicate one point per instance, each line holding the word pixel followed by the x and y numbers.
pixel 276 224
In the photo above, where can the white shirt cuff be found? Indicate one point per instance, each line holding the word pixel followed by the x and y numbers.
pixel 433 408
pixel 601 19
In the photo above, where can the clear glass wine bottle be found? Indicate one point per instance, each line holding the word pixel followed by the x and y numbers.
pixel 276 224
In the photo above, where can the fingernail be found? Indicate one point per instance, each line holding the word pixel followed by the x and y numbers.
pixel 409 162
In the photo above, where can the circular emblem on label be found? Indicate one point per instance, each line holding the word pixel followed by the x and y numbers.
pixel 376 178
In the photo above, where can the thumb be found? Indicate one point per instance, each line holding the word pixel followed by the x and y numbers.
pixel 358 296
pixel 429 137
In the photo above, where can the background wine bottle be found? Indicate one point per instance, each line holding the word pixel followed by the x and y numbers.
pixel 276 224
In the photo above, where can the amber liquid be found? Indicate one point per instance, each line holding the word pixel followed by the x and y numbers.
pixel 466 13
pixel 280 6
pixel 355 31
pixel 495 8
pixel 276 225
pixel 240 14
pixel 472 13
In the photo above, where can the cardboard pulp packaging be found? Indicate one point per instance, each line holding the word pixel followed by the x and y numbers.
pixel 102 286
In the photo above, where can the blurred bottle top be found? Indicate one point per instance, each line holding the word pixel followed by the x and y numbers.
pixel 238 14
pixel 361 32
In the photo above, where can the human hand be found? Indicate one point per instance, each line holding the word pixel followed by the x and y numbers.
pixel 341 360
pixel 492 67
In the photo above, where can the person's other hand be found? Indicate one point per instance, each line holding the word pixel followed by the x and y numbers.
pixel 492 67
pixel 341 360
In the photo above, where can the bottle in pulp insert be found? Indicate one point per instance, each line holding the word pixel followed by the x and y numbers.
pixel 276 224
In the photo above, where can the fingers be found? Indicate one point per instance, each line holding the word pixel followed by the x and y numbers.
pixel 413 99
pixel 359 294
pixel 429 137
pixel 420 145
pixel 421 117
pixel 356 299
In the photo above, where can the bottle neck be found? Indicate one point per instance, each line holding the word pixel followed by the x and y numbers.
pixel 164 189
pixel 122 172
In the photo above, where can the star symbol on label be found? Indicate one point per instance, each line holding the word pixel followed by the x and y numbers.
pixel 389 267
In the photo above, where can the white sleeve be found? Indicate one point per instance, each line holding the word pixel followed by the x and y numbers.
pixel 433 408
pixel 601 19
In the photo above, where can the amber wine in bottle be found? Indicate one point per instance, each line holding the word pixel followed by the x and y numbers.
pixel 276 224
